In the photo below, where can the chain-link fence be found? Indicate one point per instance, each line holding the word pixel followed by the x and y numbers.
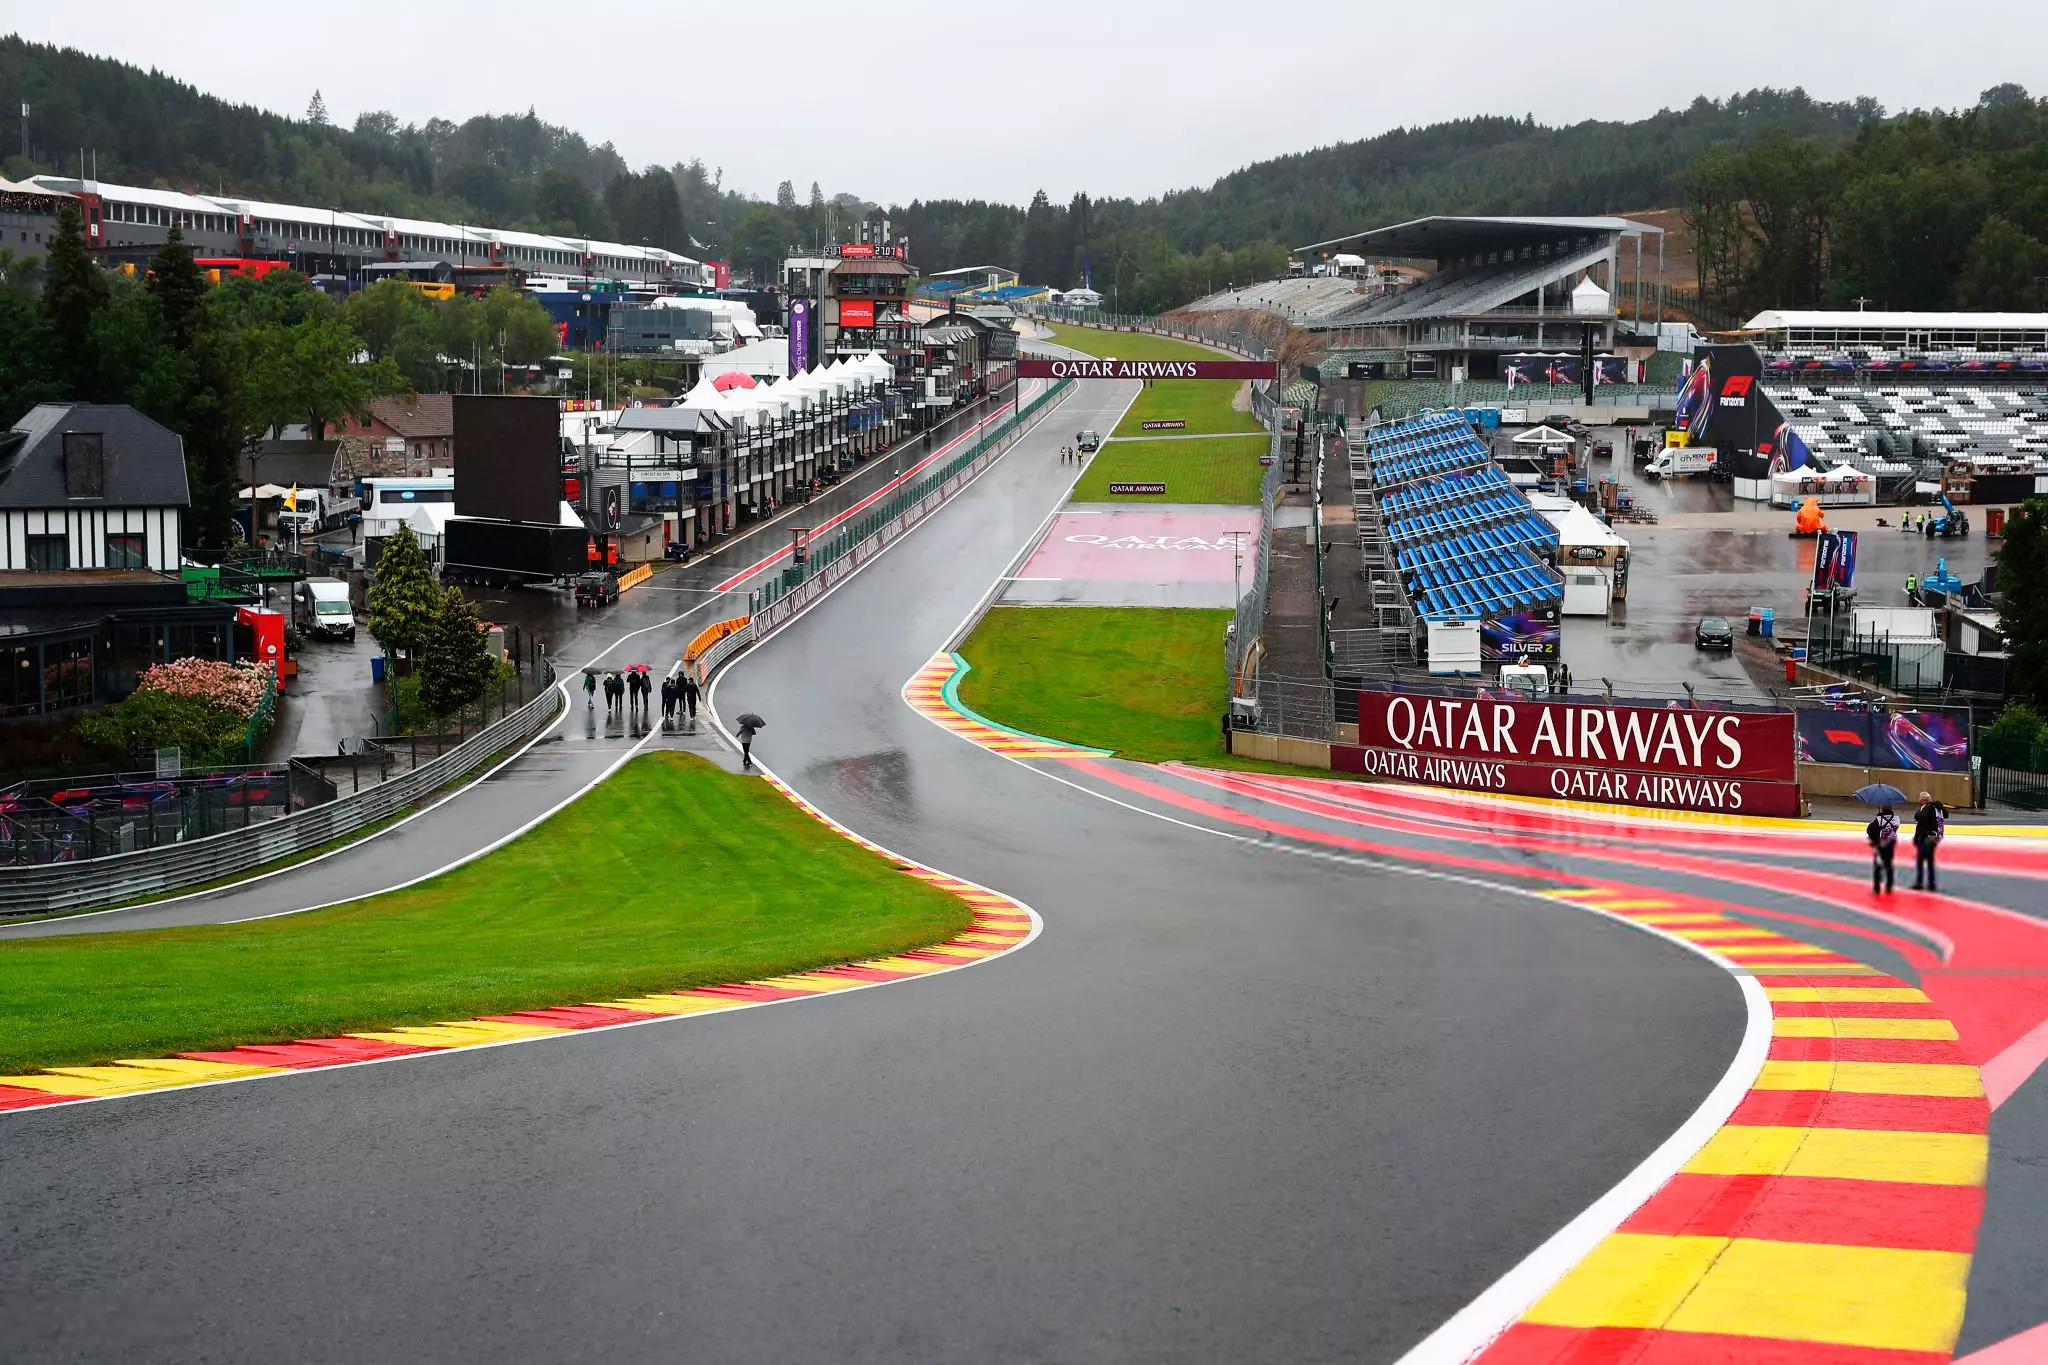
pixel 1243 643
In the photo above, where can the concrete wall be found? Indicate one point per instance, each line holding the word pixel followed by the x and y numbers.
pixel 1842 779
pixel 1303 753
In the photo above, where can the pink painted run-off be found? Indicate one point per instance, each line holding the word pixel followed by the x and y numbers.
pixel 1146 547
pixel 2028 1348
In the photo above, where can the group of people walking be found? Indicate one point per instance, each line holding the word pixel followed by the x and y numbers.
pixel 1069 455
pixel 1930 826
pixel 633 690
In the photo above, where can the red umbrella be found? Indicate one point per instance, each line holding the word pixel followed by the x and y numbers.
pixel 732 379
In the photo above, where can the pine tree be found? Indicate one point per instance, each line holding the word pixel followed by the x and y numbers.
pixel 404 598
pixel 191 386
pixel 455 663
pixel 74 293
pixel 785 196
pixel 316 111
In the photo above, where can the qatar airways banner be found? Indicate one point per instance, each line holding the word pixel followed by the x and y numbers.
pixel 1037 367
pixel 1675 757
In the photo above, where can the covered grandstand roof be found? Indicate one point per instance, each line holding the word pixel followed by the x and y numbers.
pixel 1773 319
pixel 1437 237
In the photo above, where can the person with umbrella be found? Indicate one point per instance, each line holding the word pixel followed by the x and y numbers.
pixel 750 725
pixel 1882 832
pixel 1930 824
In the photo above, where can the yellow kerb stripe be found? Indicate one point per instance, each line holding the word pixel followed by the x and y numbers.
pixel 1873 1078
pixel 1821 1026
pixel 1844 1154
pixel 1843 1295
pixel 1872 995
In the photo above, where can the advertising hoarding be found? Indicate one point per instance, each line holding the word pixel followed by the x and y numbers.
pixel 856 312
pixel 1528 636
pixel 1931 741
pixel 1674 757
pixel 1039 367
pixel 800 335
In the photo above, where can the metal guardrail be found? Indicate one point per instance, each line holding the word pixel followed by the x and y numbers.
pixel 875 535
pixel 109 881
pixel 831 559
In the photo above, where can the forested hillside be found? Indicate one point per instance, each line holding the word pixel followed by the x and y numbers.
pixel 1794 200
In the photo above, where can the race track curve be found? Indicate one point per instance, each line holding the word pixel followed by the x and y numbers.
pixel 1232 1103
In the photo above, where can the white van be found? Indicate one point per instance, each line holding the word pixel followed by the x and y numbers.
pixel 320 610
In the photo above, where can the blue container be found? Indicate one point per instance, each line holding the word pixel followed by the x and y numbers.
pixel 376 668
pixel 1764 626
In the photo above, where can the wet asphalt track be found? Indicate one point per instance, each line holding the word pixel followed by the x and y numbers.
pixel 1233 1104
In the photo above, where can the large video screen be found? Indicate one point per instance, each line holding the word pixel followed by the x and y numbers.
pixel 508 458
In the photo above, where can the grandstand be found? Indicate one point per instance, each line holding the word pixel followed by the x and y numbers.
pixel 1883 428
pixel 1500 286
pixel 1902 395
pixel 1432 506
pixel 131 222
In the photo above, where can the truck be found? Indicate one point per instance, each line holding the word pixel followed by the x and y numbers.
pixel 1680 462
pixel 511 553
pixel 318 510
pixel 321 610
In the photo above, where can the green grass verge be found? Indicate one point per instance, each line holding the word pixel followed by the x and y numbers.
pixel 672 873
pixel 1205 404
pixel 1222 469
pixel 1146 682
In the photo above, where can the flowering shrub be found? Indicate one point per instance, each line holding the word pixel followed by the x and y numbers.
pixel 236 687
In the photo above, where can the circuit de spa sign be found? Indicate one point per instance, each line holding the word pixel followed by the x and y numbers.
pixel 1037 367
pixel 1674 757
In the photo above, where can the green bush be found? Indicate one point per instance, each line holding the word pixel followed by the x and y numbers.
pixel 2018 723
pixel 206 731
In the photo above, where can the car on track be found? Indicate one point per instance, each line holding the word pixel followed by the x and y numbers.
pixel 1087 441
pixel 1713 632
pixel 597 589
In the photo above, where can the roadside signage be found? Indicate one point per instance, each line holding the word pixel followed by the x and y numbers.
pixel 169 762
pixel 1673 757
pixel 851 249
pixel 799 336
pixel 1137 488
pixel 1038 367
pixel 1175 424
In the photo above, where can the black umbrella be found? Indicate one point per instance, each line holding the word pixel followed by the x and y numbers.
pixel 749 718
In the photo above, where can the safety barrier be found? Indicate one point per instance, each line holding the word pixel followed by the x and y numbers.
pixel 635 576
pixel 124 877
pixel 855 544
pixel 837 557
pixel 710 636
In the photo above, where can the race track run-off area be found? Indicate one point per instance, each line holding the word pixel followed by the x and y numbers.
pixel 1295 1069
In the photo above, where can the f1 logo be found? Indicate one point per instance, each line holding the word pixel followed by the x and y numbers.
pixel 1738 386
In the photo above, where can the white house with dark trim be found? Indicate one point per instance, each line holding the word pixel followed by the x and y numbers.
pixel 91 486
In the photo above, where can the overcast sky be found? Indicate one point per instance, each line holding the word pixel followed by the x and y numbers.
pixel 1116 97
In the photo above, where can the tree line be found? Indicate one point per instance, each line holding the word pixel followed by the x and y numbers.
pixel 226 364
pixel 1933 210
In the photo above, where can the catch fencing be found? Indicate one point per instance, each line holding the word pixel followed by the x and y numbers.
pixel 90 882
pixel 836 557
pixel 1244 644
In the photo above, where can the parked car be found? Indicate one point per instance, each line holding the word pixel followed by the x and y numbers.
pixel 598 588
pixel 1713 632
pixel 1088 440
